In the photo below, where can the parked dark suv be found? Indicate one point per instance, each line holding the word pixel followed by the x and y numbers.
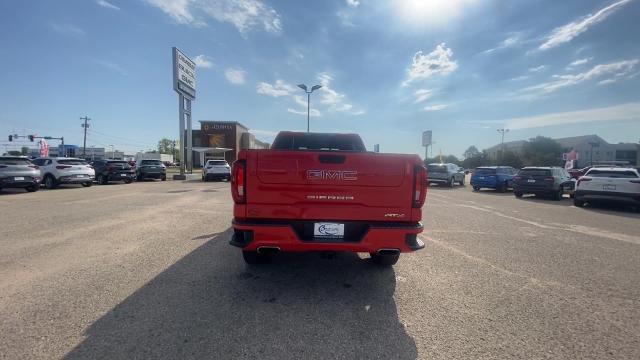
pixel 550 181
pixel 113 170
pixel 150 169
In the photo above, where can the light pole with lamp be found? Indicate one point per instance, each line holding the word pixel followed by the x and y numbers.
pixel 502 131
pixel 304 87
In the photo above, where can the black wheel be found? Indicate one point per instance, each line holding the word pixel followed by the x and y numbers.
pixel 384 260
pixel 557 196
pixel 462 181
pixel 139 178
pixel 50 182
pixel 87 184
pixel 32 188
pixel 578 203
pixel 476 188
pixel 102 180
pixel 517 194
pixel 164 178
pixel 128 181
pixel 450 182
pixel 253 257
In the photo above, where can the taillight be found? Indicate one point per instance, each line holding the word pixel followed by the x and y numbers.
pixel 581 180
pixel 110 167
pixel 549 178
pixel 517 178
pixel 419 186
pixel 60 167
pixel 34 166
pixel 239 182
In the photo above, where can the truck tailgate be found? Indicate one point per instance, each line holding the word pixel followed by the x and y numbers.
pixel 319 185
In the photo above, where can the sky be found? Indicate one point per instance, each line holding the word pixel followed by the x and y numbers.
pixel 389 69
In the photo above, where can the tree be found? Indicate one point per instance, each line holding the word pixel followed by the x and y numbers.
pixel 14 153
pixel 24 150
pixel 509 158
pixel 542 151
pixel 165 146
pixel 471 152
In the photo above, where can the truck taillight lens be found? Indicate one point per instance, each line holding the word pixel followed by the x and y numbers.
pixel 239 182
pixel 61 167
pixel 419 186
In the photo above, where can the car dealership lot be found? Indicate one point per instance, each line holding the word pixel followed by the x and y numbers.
pixel 144 270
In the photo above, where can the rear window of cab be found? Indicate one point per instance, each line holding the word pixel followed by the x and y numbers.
pixel 14 161
pixel 72 162
pixel 612 174
pixel 535 172
pixel 485 171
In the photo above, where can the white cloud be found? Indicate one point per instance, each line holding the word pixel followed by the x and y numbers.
pixel 607 81
pixel 422 95
pixel 111 66
pixel 617 69
pixel 629 111
pixel 245 15
pixel 520 78
pixel 335 100
pixel 566 33
pixel 437 62
pixel 280 88
pixel 235 76
pixel 312 112
pixel 68 30
pixel 511 41
pixel 579 62
pixel 203 61
pixel 353 3
pixel 435 107
pixel 106 4
pixel 538 68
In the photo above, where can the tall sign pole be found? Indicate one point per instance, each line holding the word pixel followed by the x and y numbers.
pixel 84 142
pixel 184 83
pixel 426 142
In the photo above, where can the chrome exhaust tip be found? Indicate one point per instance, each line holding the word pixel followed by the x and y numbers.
pixel 388 252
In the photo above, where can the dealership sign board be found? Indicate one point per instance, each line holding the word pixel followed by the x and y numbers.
pixel 184 74
pixel 426 138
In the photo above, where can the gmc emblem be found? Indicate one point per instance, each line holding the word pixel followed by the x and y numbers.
pixel 345 175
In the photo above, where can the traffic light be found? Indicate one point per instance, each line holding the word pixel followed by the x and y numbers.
pixel 31 138
pixel 10 137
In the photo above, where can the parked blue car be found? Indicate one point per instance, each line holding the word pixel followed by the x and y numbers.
pixel 499 178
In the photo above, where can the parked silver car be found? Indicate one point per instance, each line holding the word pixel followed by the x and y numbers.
pixel 19 172
pixel 447 174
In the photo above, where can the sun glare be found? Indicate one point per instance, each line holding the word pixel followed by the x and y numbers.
pixel 429 12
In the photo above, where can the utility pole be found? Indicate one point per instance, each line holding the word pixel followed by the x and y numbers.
pixel 502 131
pixel 593 144
pixel 84 143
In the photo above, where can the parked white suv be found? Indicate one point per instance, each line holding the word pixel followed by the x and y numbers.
pixel 216 169
pixel 56 171
pixel 608 184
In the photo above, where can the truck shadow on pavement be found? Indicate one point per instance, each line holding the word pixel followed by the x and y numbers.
pixel 210 305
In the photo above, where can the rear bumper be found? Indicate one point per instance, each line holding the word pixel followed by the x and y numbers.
pixel 438 181
pixel 9 182
pixel 152 175
pixel 119 177
pixel 533 189
pixel 588 195
pixel 289 236
pixel 217 176
pixel 74 180
pixel 484 184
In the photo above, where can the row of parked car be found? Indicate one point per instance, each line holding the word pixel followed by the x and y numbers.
pixel 21 172
pixel 590 185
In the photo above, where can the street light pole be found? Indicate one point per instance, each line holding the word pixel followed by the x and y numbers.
pixel 593 144
pixel 304 87
pixel 502 131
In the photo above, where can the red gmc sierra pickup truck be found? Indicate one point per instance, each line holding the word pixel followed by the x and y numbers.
pixel 325 192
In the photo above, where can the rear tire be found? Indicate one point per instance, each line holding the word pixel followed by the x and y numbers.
pixel 502 188
pixel 32 188
pixel 384 260
pixel 164 178
pixel 476 188
pixel 87 184
pixel 578 203
pixel 50 182
pixel 102 180
pixel 450 184
pixel 557 196
pixel 462 181
pixel 254 258
pixel 518 194
pixel 128 181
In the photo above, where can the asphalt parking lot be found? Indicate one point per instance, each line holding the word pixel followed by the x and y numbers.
pixel 145 271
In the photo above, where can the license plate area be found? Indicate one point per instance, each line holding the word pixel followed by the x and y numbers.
pixel 608 187
pixel 18 178
pixel 531 181
pixel 326 230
